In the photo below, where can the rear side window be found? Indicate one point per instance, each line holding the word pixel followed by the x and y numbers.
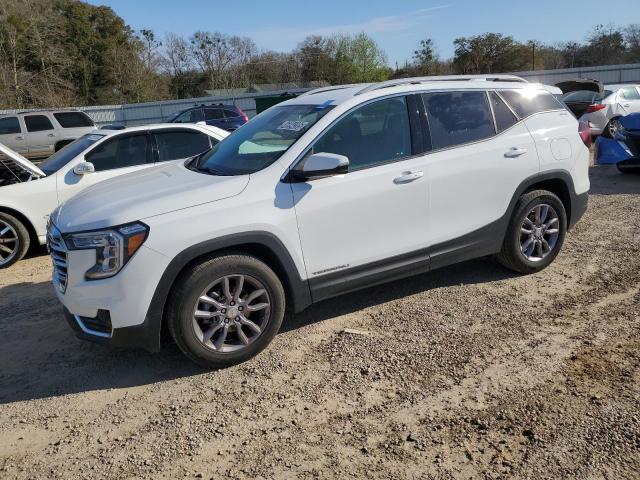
pixel 231 114
pixel 458 117
pixel 181 144
pixel 190 116
pixel 73 119
pixel 528 102
pixel 213 114
pixel 9 125
pixel 373 134
pixel 503 114
pixel 630 93
pixel 37 123
pixel 119 152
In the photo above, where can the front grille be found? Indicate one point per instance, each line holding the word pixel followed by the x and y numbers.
pixel 58 252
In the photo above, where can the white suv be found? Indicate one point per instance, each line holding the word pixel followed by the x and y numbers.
pixel 333 191
pixel 38 134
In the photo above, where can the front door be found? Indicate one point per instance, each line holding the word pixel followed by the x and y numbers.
pixel 115 156
pixel 373 218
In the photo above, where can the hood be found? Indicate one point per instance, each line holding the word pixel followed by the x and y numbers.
pixel 578 84
pixel 15 164
pixel 143 194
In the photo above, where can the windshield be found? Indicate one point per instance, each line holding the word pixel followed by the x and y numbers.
pixel 261 141
pixel 63 156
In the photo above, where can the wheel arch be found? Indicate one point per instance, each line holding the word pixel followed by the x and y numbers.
pixel 558 182
pixel 33 236
pixel 261 245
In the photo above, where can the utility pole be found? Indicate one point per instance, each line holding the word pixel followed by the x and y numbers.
pixel 533 55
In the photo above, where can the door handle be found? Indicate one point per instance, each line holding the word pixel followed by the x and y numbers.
pixel 19 137
pixel 514 152
pixel 52 134
pixel 407 177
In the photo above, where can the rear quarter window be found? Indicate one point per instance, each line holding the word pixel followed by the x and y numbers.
pixel 73 119
pixel 527 102
pixel 456 118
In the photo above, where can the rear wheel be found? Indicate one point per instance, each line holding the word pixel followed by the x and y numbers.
pixel 535 234
pixel 14 240
pixel 226 310
pixel 612 127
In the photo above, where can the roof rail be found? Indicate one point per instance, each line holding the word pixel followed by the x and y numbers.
pixel 441 78
pixel 328 89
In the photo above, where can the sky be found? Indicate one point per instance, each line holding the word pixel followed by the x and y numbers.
pixel 397 26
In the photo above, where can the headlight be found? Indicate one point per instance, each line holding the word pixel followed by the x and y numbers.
pixel 114 247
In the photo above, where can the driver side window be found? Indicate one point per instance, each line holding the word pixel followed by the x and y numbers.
pixel 373 134
pixel 120 152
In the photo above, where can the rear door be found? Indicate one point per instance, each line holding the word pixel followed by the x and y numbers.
pixel 12 135
pixel 215 117
pixel 176 144
pixel 41 134
pixel 476 165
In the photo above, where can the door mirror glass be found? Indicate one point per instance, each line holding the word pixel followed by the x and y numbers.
pixel 321 165
pixel 83 168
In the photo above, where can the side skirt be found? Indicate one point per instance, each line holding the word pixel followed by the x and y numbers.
pixel 484 241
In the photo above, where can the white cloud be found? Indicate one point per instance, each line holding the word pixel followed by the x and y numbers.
pixel 281 38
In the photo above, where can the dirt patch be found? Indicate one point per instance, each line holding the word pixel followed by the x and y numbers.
pixel 467 372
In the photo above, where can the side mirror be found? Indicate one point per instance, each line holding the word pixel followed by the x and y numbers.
pixel 320 165
pixel 83 168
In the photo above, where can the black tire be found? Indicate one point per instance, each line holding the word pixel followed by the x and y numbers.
pixel 607 130
pixel 634 169
pixel 20 247
pixel 184 298
pixel 511 255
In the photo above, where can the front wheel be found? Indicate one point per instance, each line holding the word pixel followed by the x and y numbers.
pixel 535 233
pixel 14 240
pixel 226 310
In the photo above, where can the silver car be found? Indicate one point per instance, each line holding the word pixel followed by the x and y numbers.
pixel 38 134
pixel 604 115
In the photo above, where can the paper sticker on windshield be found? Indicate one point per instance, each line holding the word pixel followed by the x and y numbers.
pixel 293 125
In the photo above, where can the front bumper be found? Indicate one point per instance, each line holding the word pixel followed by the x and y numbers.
pixel 145 335
pixel 123 299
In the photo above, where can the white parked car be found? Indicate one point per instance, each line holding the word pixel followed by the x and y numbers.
pixel 29 193
pixel 38 134
pixel 604 116
pixel 332 191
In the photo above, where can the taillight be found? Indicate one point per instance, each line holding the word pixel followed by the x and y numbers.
pixel 243 115
pixel 585 133
pixel 595 107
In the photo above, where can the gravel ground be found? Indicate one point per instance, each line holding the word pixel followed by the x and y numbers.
pixel 467 372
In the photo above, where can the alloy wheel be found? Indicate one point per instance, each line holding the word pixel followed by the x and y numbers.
pixel 539 232
pixel 9 243
pixel 614 127
pixel 231 313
